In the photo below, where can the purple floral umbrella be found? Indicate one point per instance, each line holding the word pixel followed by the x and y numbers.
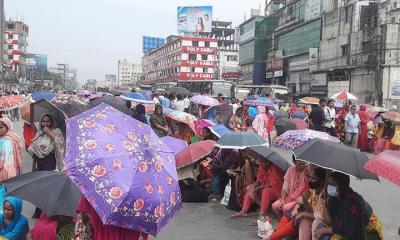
pixel 124 170
pixel 175 144
pixel 292 139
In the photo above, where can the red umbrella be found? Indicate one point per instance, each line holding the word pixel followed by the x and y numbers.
pixel 386 164
pixel 11 102
pixel 300 124
pixel 193 153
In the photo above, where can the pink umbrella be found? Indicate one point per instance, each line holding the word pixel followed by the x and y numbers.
pixel 386 164
pixel 200 124
pixel 194 153
pixel 205 100
pixel 300 124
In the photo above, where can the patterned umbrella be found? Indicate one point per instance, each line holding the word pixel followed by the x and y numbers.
pixel 114 102
pixel 200 124
pixel 386 164
pixel 175 144
pixel 344 96
pixel 182 117
pixel 137 97
pixel 292 139
pixel 391 116
pixel 11 102
pixel 124 170
pixel 36 96
pixel 194 152
pixel 309 100
pixel 205 100
pixel 261 101
pixel 70 105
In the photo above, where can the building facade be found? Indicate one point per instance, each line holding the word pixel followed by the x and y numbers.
pixel 184 58
pixel 128 74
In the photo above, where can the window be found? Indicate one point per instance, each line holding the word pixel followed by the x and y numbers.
pixel 367 47
pixel 195 44
pixel 10 26
pixel 207 44
pixel 393 20
pixel 193 69
pixel 205 70
pixel 10 57
pixel 10 47
pixel 10 36
pixel 192 57
pixel 204 57
pixel 345 50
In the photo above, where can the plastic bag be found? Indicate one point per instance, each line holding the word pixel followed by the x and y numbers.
pixel 227 194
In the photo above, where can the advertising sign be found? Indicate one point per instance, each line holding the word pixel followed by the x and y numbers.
pixel 230 75
pixel 395 84
pixel 313 9
pixel 111 77
pixel 274 64
pixel 194 19
pixel 199 50
pixel 152 42
pixel 196 76
pixel 318 79
pixel 37 61
pixel 197 63
pixel 313 56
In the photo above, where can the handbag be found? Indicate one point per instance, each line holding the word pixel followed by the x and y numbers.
pixel 227 194
pixel 265 228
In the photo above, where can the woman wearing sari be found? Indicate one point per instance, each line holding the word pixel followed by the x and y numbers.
pixel 13 225
pixel 266 189
pixel 47 149
pixel 363 141
pixel 260 123
pixel 352 217
pixel 294 185
pixel 236 121
pixel 158 121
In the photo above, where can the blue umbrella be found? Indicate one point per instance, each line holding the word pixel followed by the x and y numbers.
pixel 137 97
pixel 36 96
pixel 219 130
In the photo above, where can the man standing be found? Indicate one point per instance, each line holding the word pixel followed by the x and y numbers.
pixel 330 115
pixel 352 127
pixel 234 104
pixel 317 117
pixel 221 98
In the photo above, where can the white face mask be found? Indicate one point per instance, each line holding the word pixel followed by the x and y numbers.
pixel 332 191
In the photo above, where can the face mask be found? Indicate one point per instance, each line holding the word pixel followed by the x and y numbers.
pixel 313 185
pixel 332 191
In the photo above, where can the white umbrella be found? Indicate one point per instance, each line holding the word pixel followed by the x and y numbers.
pixel 344 96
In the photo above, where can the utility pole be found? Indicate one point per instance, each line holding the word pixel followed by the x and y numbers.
pixel 63 69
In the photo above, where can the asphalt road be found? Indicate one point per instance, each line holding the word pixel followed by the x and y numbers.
pixel 212 220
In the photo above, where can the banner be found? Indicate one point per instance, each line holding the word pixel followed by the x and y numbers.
pixel 313 9
pixel 197 63
pixel 194 19
pixel 196 76
pixel 199 50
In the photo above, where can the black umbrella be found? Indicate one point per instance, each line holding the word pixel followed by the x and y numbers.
pixel 270 155
pixel 114 102
pixel 335 156
pixel 72 109
pixel 178 90
pixel 51 191
pixel 284 124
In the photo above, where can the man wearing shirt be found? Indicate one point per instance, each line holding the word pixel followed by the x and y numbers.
pixel 330 114
pixel 317 117
pixel 186 101
pixel 234 104
pixel 352 127
pixel 179 104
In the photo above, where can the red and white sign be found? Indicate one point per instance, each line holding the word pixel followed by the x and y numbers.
pixel 230 75
pixel 196 76
pixel 274 64
pixel 199 50
pixel 197 63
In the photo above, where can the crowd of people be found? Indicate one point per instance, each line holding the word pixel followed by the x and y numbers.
pixel 309 201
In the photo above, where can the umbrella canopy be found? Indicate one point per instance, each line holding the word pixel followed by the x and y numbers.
pixel 344 96
pixel 47 190
pixel 205 100
pixel 337 157
pixel 377 109
pixel 94 96
pixel 137 97
pixel 36 96
pixel 124 170
pixel 32 112
pixel 309 100
pixel 252 97
pixel 182 117
pixel 386 164
pixel 270 155
pixel 114 102
pixel 283 124
pixel 11 102
pixel 239 140
pixel 71 105
pixel 201 124
pixel 178 91
pixel 391 116
pixel 194 152
pixel 300 124
pixel 292 139
pixel 261 101
pixel 224 112
pixel 299 115
pixel 219 130
pixel 175 144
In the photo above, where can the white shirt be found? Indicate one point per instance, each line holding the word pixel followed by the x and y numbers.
pixel 186 101
pixel 179 105
pixel 235 107
pixel 156 100
pixel 330 114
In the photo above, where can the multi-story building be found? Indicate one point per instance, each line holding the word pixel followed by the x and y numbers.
pixel 228 57
pixel 184 58
pixel 255 37
pixel 128 74
pixel 15 35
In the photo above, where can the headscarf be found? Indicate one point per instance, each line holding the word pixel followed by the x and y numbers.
pixel 16 143
pixel 42 145
pixel 293 108
pixel 19 220
pixel 295 183
pixel 260 123
pixel 364 117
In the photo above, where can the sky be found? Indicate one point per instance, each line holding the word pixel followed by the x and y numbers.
pixel 92 35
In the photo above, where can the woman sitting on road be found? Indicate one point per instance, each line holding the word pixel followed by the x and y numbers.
pixel 14 226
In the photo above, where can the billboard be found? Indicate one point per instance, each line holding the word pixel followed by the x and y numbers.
pixel 152 42
pixel 37 61
pixel 194 19
pixel 313 9
pixel 111 77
